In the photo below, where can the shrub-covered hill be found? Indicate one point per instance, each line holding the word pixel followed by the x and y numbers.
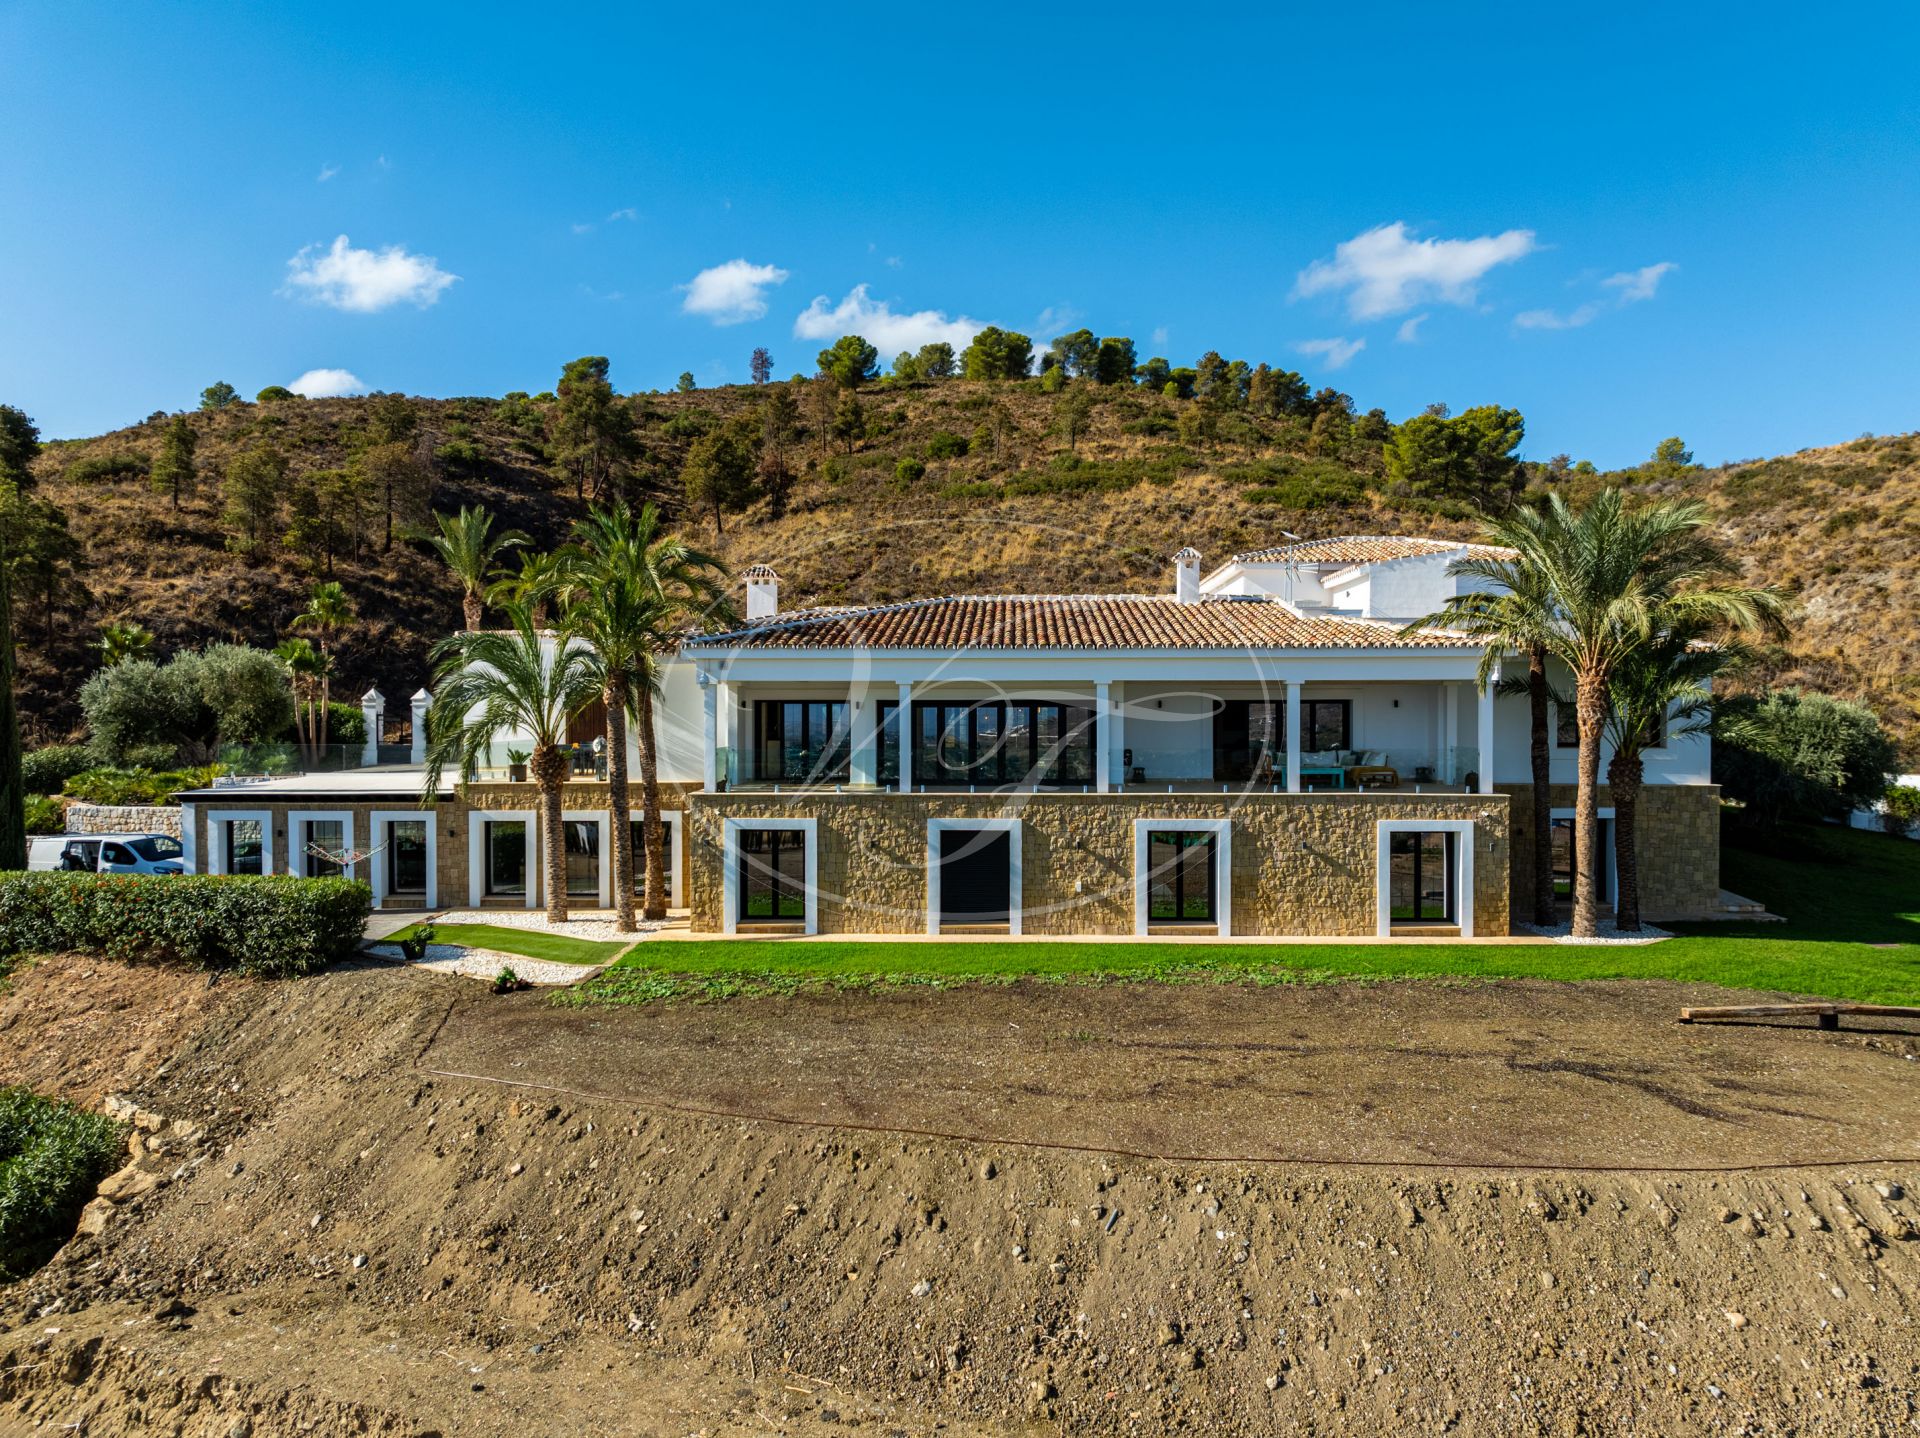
pixel 915 488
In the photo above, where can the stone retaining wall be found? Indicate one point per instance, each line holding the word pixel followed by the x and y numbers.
pixel 1677 827
pixel 123 819
pixel 1301 863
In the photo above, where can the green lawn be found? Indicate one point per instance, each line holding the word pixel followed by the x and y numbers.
pixel 1852 900
pixel 527 943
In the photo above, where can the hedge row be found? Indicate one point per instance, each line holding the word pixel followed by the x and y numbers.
pixel 267 925
pixel 52 1156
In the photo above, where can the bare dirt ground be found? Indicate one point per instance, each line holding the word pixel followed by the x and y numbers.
pixel 417 1209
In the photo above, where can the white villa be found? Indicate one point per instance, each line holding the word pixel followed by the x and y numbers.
pixel 1263 750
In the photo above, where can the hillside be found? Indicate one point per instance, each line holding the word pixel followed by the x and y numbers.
pixel 994 498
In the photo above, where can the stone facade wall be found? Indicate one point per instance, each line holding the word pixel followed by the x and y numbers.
pixel 1677 827
pixel 123 819
pixel 1301 863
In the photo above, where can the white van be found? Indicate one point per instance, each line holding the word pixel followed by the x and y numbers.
pixel 107 853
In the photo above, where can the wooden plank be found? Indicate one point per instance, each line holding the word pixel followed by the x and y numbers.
pixel 1828 1015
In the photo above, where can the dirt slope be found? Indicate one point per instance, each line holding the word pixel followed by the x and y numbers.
pixel 370 1247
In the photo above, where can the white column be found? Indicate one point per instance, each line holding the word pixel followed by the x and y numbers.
pixel 1450 731
pixel 1118 768
pixel 422 702
pixel 906 738
pixel 709 730
pixel 373 709
pixel 1485 728
pixel 1293 736
pixel 1103 735
pixel 864 716
pixel 727 727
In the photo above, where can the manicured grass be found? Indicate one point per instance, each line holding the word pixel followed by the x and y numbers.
pixel 528 943
pixel 1847 895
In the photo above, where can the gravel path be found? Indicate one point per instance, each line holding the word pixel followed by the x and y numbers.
pixel 1609 933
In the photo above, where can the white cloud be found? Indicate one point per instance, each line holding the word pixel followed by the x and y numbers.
pixel 1160 334
pixel 327 172
pixel 1386 271
pixel 365 281
pixel 1409 330
pixel 1629 287
pixel 874 320
pixel 583 227
pixel 1639 284
pixel 732 293
pixel 1336 352
pixel 625 212
pixel 327 383
pixel 1056 320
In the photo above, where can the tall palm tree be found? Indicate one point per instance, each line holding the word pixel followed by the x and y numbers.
pixel 1615 574
pixel 616 612
pixel 1658 693
pixel 122 640
pixel 1514 614
pixel 538 581
pixel 684 589
pixel 302 663
pixel 525 685
pixel 328 611
pixel 468 545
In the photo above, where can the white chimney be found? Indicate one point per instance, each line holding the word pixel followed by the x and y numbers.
pixel 763 591
pixel 1186 576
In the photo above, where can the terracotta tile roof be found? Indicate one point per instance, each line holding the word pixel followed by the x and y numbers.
pixel 1072 621
pixel 1363 549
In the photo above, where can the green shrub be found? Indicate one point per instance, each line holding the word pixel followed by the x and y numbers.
pixel 52 1157
pixel 946 445
pixel 268 925
pixel 909 471
pixel 45 814
pixel 108 784
pixel 1793 754
pixel 100 467
pixel 273 394
pixel 1901 814
pixel 43 771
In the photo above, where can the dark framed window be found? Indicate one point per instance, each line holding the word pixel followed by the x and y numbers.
pixel 1420 870
pixel 803 741
pixel 1182 877
pixel 407 856
pixel 245 849
pixel 506 843
pixel 583 858
pixel 639 829
pixel 1015 741
pixel 888 721
pixel 324 834
pixel 773 874
pixel 1250 735
pixel 1566 727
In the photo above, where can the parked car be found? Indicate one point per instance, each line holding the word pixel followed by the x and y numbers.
pixel 108 853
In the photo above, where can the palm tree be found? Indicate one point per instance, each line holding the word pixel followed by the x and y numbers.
pixel 540 578
pixel 522 684
pixel 303 664
pixel 123 640
pixel 616 612
pixel 1657 694
pixel 679 588
pixel 1615 574
pixel 469 547
pixel 1514 614
pixel 328 610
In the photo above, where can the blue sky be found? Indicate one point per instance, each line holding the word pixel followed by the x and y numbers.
pixel 1632 223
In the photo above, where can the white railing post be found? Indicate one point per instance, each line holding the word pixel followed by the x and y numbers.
pixel 422 702
pixel 373 711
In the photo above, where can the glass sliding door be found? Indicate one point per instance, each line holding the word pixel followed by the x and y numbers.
pixel 1182 877
pixel 244 848
pixel 1250 736
pixel 324 839
pixel 999 743
pixel 506 845
pixel 803 741
pixel 1421 867
pixel 772 875
pixel 407 856
pixel 583 858
pixel 640 857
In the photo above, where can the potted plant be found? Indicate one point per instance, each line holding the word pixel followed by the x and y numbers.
pixel 517 765
pixel 414 946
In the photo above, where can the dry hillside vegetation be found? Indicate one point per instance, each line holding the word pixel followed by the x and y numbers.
pixel 994 498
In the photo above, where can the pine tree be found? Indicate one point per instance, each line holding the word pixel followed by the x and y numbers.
pixel 255 480
pixel 174 471
pixel 762 365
